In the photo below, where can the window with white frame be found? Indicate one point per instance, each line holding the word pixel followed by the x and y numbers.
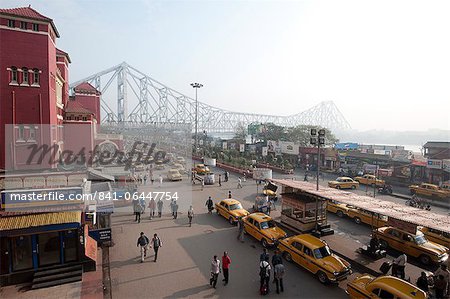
pixel 35 27
pixel 32 134
pixel 21 133
pixel 11 23
pixel 13 75
pixel 23 25
pixel 35 77
pixel 25 76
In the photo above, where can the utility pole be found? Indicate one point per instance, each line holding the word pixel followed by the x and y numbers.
pixel 317 138
pixel 196 86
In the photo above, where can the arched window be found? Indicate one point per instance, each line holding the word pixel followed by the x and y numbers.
pixel 13 74
pixel 35 77
pixel 25 77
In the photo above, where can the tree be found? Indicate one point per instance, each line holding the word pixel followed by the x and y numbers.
pixel 240 132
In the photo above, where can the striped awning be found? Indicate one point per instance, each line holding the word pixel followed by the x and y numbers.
pixel 35 220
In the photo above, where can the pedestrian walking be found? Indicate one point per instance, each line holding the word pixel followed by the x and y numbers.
pixel 239 185
pixel 264 255
pixel 142 242
pixel 156 241
pixel 152 207
pixel 160 181
pixel 443 270
pixel 278 273
pixel 145 179
pixel 264 276
pixel 276 258
pixel 175 209
pixel 244 177
pixel 226 176
pixel 226 261
pixel 137 209
pixel 440 286
pixel 172 203
pixel 190 215
pixel 220 180
pixel 152 179
pixel 203 184
pixel 215 270
pixel 209 203
pixel 422 282
pixel 229 194
pixel 160 204
pixel 240 236
pixel 398 267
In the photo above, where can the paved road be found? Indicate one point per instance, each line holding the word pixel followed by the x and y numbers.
pixel 183 264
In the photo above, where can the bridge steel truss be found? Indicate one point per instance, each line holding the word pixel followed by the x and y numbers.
pixel 158 103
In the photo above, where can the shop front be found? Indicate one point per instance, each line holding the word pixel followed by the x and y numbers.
pixel 30 242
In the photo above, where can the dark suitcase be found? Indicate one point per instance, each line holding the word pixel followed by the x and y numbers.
pixel 385 267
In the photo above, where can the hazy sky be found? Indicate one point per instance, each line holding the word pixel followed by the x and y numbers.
pixel 386 64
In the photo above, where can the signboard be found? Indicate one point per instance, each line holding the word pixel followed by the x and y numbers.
pixel 209 162
pixel 264 151
pixel 101 235
pixel 434 164
pixel 288 147
pixel 403 225
pixel 241 148
pixel 90 245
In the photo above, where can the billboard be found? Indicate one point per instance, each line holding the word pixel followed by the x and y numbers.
pixel 434 164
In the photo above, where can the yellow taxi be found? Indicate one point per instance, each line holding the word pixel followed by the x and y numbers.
pixel 315 256
pixel 415 245
pixel 343 183
pixel 201 169
pixel 436 236
pixel 270 189
pixel 363 216
pixel 335 207
pixel 263 228
pixel 429 190
pixel 370 179
pixel 367 286
pixel 231 209
pixel 174 175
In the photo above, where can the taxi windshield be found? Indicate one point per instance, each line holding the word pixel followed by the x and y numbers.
pixel 236 206
pixel 267 224
pixel 322 252
pixel 420 239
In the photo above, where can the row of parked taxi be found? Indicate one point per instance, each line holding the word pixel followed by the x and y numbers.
pixel 428 245
pixel 314 255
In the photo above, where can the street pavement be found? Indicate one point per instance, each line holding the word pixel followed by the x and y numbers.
pixel 183 266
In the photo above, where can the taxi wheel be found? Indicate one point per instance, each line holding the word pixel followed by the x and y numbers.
pixel 357 220
pixel 340 214
pixel 353 187
pixel 384 244
pixel 287 256
pixel 230 220
pixel 372 185
pixel 217 212
pixel 338 187
pixel 322 277
pixel 425 259
pixel 264 243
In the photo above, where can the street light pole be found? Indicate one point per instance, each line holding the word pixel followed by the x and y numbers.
pixel 196 86
pixel 317 138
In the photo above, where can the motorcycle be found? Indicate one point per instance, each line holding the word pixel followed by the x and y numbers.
pixel 386 189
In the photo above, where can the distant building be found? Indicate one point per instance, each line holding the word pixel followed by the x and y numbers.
pixel 438 161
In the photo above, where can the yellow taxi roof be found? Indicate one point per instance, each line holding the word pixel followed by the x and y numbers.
pixel 230 201
pixel 260 217
pixel 309 240
pixel 344 177
pixel 399 284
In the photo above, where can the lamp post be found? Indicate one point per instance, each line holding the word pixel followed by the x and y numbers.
pixel 317 138
pixel 196 86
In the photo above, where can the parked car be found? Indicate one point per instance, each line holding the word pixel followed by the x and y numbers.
pixel 364 216
pixel 180 167
pixel 180 160
pixel 340 209
pixel 159 165
pixel 436 236
pixel 263 228
pixel 201 169
pixel 368 286
pixel 343 183
pixel 315 256
pixel 415 245
pixel 231 209
pixel 370 179
pixel 174 175
pixel 430 190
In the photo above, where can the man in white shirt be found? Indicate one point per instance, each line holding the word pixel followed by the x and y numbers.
pixel 215 270
pixel 399 265
pixel 264 272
